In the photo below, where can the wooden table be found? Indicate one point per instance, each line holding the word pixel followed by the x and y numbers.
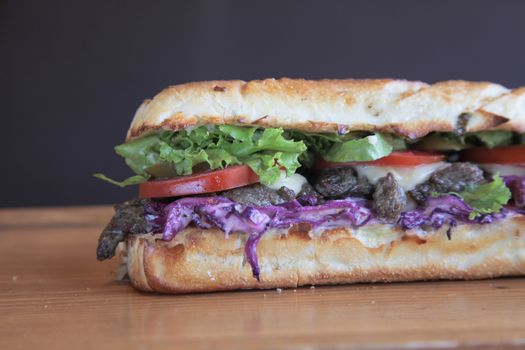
pixel 54 294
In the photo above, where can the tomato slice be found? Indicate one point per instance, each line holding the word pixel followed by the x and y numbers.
pixel 398 158
pixel 210 181
pixel 500 155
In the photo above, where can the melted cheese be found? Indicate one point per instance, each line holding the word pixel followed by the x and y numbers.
pixel 375 236
pixel 407 177
pixel 294 182
pixel 504 170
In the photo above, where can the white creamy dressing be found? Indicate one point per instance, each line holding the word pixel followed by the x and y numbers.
pixel 503 169
pixel 407 177
pixel 294 182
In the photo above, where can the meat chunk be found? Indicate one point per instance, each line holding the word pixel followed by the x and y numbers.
pixel 341 183
pixel 309 196
pixel 454 178
pixel 129 219
pixel 516 185
pixel 389 199
pixel 259 195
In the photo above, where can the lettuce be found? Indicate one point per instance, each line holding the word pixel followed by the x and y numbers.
pixel 168 153
pixel 487 198
pixel 351 147
pixel 140 154
pixel 448 141
pixel 368 148
pixel 494 138
pixel 267 151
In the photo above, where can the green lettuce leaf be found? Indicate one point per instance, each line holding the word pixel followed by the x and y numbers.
pixel 264 165
pixel 492 138
pixel 267 151
pixel 448 141
pixel 350 147
pixel 368 148
pixel 141 153
pixel 168 154
pixel 247 141
pixel 486 198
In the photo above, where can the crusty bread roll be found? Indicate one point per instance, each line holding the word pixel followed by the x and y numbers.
pixel 204 260
pixel 403 107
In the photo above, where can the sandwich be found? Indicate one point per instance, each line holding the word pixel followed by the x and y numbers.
pixel 287 183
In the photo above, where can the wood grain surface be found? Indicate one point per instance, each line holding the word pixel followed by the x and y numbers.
pixel 54 294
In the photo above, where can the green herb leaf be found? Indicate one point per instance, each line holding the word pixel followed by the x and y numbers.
pixel 132 180
pixel 484 199
pixel 487 198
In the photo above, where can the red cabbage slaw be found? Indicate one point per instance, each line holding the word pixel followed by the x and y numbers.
pixel 229 216
pixel 445 210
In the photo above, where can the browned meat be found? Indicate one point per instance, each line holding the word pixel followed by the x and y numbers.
pixel 389 199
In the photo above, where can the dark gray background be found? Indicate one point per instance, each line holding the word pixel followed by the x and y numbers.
pixel 73 72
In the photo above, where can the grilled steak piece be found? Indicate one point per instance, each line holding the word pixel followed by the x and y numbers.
pixel 389 199
pixel 259 195
pixel 341 183
pixel 129 219
pixel 454 178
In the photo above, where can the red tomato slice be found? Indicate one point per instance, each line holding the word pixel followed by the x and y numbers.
pixel 211 181
pixel 501 155
pixel 398 158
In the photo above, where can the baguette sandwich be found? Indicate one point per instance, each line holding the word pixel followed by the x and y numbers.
pixel 285 183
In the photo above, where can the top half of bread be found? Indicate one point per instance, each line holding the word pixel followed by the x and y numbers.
pixel 406 108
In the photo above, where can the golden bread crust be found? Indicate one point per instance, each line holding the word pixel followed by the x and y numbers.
pixel 512 106
pixel 204 260
pixel 408 108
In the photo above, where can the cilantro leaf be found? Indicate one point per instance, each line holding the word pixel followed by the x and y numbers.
pixel 487 198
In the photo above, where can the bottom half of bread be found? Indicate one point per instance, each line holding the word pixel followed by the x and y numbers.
pixel 205 260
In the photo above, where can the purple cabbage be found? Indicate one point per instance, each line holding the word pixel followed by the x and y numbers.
pixel 250 249
pixel 229 216
pixel 154 214
pixel 336 213
pixel 445 210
